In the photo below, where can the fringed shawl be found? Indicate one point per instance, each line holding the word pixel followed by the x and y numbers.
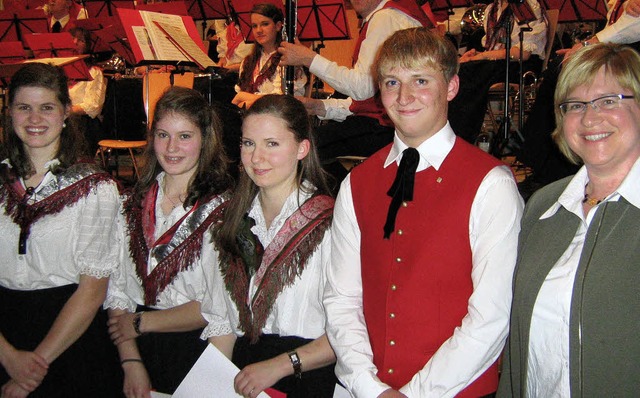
pixel 176 250
pixel 66 189
pixel 283 261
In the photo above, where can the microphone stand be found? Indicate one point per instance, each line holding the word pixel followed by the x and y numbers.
pixel 505 124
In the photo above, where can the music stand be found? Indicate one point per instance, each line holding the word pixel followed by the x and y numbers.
pixel 100 8
pixel 14 25
pixel 115 37
pixel 521 13
pixel 169 7
pixel 318 20
pixel 11 52
pixel 92 25
pixel 203 10
pixel 577 10
pixel 51 45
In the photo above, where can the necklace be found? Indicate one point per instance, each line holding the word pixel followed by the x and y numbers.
pixel 590 201
pixel 173 203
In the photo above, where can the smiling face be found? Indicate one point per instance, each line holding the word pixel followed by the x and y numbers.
pixel 606 140
pixel 37 116
pixel 177 144
pixel 270 153
pixel 417 101
pixel 265 31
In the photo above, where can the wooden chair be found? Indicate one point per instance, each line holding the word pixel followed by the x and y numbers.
pixel 106 147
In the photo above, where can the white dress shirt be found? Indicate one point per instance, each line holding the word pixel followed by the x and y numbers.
pixel 298 310
pixel 548 360
pixel 357 82
pixel 90 94
pixel 624 31
pixel 126 292
pixel 494 224
pixel 79 240
pixel 534 41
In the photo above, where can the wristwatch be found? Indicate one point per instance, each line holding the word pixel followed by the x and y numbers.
pixel 136 322
pixel 296 363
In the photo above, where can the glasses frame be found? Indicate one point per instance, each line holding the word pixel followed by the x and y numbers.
pixel 563 105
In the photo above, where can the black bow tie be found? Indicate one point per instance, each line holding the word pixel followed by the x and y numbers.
pixel 402 188
pixel 57 27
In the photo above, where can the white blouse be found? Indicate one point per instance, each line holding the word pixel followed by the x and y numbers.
pixel 79 240
pixel 298 310
pixel 275 84
pixel 126 292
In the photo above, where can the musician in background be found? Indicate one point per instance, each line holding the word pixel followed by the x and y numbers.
pixel 62 15
pixel 481 69
pixel 364 127
pixel 232 48
pixel 261 72
pixel 87 96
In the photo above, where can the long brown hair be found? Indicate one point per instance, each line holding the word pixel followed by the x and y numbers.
pixel 211 176
pixel 72 145
pixel 294 114
pixel 246 74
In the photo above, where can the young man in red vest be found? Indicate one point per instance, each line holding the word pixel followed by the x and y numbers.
pixel 419 287
pixel 364 128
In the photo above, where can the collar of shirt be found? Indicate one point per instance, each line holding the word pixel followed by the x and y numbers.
pixel 63 21
pixel 291 204
pixel 571 198
pixel 433 151
pixel 47 177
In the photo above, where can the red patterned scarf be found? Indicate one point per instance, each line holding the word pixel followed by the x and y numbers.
pixel 268 70
pixel 496 28
pixel 176 250
pixel 283 261
pixel 66 189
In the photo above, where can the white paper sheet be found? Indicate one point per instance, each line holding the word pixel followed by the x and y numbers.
pixel 211 376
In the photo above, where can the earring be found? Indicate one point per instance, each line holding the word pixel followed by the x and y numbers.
pixel 64 124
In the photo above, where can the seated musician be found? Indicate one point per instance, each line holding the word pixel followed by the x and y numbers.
pixel 481 69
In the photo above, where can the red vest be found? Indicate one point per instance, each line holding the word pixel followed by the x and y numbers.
pixel 416 285
pixel 372 107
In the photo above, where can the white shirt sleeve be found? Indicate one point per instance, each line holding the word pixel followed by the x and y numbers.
pixel 346 327
pixel 90 95
pixel 94 252
pixel 357 82
pixel 624 31
pixel 336 109
pixel 476 344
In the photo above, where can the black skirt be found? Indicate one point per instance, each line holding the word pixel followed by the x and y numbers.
pixel 168 357
pixel 88 368
pixel 318 383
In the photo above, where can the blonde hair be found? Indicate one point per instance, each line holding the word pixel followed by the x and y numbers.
pixel 619 61
pixel 416 48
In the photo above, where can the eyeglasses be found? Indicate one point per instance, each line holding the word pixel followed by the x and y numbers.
pixel 604 103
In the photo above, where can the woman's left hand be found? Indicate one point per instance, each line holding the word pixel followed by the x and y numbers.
pixel 254 378
pixel 11 389
pixel 121 327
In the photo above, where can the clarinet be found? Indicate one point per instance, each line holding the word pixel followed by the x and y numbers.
pixel 289 33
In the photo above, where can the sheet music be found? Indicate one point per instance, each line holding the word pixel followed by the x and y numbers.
pixel 164 49
pixel 186 43
pixel 142 36
pixel 211 376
